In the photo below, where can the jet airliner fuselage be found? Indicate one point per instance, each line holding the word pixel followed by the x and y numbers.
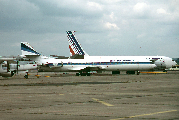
pixel 162 62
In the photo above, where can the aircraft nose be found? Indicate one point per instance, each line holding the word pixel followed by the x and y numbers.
pixel 174 63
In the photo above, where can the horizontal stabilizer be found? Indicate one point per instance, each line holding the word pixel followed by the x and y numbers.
pixel 32 56
pixel 77 56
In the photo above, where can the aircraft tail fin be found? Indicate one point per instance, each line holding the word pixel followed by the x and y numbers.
pixel 74 45
pixel 27 49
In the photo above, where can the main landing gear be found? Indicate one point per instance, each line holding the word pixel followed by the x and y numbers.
pixel 83 73
pixel 132 72
pixel 115 72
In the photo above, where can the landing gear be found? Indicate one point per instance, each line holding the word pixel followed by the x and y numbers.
pixel 88 74
pixel 115 72
pixel 130 72
pixel 77 74
pixel 84 73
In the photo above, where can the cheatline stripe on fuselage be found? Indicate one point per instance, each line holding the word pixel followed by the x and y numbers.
pixel 101 63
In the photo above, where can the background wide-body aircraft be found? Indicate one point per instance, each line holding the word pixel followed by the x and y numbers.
pixel 84 66
pixel 162 62
pixel 9 66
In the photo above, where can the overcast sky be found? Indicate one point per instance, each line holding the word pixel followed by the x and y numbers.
pixel 104 27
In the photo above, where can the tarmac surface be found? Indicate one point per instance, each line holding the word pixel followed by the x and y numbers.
pixel 99 97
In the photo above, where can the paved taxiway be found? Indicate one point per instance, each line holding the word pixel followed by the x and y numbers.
pixel 145 96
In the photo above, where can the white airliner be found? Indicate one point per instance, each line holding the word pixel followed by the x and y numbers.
pixel 83 66
pixel 162 62
pixel 8 68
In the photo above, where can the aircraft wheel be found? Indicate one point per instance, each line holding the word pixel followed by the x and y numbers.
pixel 83 74
pixel 88 74
pixel 138 72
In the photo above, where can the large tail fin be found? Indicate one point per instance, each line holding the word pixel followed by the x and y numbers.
pixel 27 49
pixel 74 45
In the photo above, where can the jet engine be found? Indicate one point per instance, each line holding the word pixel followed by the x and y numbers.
pixel 7 74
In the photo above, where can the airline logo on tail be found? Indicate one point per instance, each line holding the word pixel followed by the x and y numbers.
pixel 27 49
pixel 74 45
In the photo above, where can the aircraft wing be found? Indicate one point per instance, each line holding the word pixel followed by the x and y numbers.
pixel 32 56
pixel 89 68
pixel 153 60
pixel 6 59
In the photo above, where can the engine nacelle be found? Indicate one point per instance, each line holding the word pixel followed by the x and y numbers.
pixel 7 74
